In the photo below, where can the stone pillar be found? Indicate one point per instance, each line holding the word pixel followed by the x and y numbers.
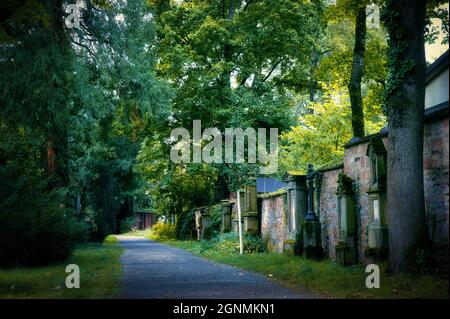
pixel 296 210
pixel 297 202
pixel 234 215
pixel 226 216
pixel 249 212
pixel 312 241
pixel 205 219
pixel 198 223
pixel 346 248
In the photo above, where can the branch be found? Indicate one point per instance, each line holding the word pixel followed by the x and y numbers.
pixel 273 69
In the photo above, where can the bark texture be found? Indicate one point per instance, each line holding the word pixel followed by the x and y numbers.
pixel 354 86
pixel 405 20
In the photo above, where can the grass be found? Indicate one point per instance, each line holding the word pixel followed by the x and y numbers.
pixel 322 277
pixel 100 272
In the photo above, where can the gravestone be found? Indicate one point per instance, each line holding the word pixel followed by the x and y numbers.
pixel 234 215
pixel 226 216
pixel 378 242
pixel 346 248
pixel 312 241
pixel 250 213
pixel 296 210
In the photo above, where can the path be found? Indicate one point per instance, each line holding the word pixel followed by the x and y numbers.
pixel 154 270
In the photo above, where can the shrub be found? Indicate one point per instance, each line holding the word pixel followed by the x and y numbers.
pixel 35 227
pixel 229 243
pixel 164 231
pixel 253 244
pixel 126 225
pixel 186 226
pixel 216 218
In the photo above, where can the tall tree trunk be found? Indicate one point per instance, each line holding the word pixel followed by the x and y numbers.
pixel 405 21
pixel 57 138
pixel 354 86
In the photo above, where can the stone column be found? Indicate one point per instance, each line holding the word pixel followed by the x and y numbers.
pixel 346 248
pixel 198 223
pixel 250 213
pixel 297 199
pixel 226 216
pixel 312 241
pixel 206 219
pixel 235 226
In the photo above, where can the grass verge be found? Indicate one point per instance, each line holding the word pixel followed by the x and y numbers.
pixel 321 277
pixel 100 272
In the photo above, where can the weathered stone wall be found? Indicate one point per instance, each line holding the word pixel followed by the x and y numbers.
pixel 436 179
pixel 357 167
pixel 273 221
pixel 328 211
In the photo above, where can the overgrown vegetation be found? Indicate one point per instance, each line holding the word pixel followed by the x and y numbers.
pixel 228 243
pixel 164 230
pixel 71 124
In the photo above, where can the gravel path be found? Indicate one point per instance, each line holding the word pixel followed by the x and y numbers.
pixel 154 270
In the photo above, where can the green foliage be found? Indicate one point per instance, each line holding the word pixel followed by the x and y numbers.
pixel 320 136
pixel 186 226
pixel 216 216
pixel 253 244
pixel 165 231
pixel 127 224
pixel 35 227
pixel 229 243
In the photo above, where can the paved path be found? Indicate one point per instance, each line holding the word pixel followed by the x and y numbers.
pixel 153 270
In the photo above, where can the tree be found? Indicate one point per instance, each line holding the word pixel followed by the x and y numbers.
pixel 226 61
pixel 405 91
pixel 354 86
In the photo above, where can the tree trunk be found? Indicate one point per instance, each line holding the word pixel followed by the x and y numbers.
pixel 405 21
pixel 354 86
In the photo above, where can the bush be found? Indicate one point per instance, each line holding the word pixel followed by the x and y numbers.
pixel 126 225
pixel 229 243
pixel 186 226
pixel 216 218
pixel 165 231
pixel 35 227
pixel 253 244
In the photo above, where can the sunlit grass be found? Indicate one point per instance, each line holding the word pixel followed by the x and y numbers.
pixel 100 273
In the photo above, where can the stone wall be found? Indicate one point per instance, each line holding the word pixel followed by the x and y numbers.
pixel 273 221
pixel 328 209
pixel 436 179
pixel 357 167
